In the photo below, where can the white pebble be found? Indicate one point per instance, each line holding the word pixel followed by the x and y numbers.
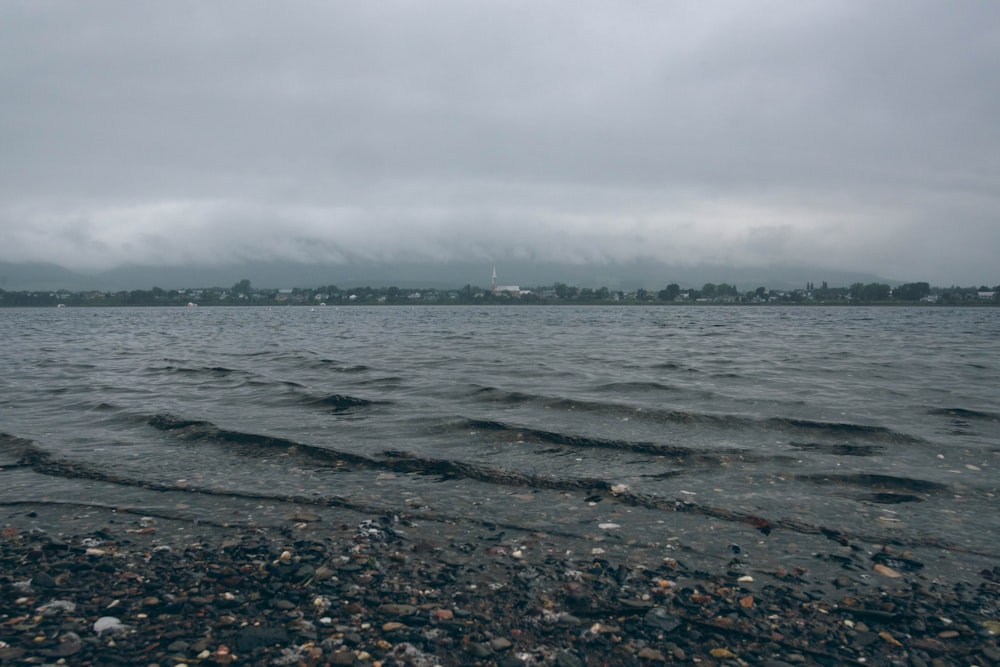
pixel 108 624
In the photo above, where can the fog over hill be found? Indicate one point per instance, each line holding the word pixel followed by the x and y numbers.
pixel 418 143
pixel 626 276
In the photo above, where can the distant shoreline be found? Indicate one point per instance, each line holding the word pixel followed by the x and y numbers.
pixel 519 304
pixel 710 294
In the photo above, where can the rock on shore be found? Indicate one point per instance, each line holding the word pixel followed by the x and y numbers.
pixel 365 595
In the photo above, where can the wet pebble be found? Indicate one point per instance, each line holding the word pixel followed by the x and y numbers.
pixel 500 644
pixel 397 610
pixel 43 580
pixel 478 650
pixel 647 653
pixel 256 637
pixel 567 659
pixel 414 608
pixel 659 618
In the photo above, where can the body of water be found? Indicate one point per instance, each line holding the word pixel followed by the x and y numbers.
pixel 642 432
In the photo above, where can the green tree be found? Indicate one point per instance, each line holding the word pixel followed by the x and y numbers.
pixel 725 289
pixel 870 292
pixel 242 287
pixel 669 293
pixel 564 291
pixel 911 291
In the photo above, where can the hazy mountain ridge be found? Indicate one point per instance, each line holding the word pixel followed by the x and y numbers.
pixel 627 276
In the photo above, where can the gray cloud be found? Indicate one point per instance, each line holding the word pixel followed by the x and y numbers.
pixel 847 135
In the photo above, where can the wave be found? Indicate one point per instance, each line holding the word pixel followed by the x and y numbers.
pixel 636 386
pixel 684 454
pixel 216 371
pixel 888 498
pixel 672 366
pixel 966 413
pixel 494 395
pixel 345 368
pixel 43 462
pixel 252 443
pixel 386 381
pixel 392 460
pixel 841 428
pixel 311 360
pixel 838 449
pixel 13 451
pixel 725 421
pixel 271 383
pixel 876 482
pixel 340 403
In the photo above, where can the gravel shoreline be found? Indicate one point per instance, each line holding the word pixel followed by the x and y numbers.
pixel 378 592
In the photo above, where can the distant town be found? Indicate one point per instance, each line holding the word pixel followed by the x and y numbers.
pixel 244 293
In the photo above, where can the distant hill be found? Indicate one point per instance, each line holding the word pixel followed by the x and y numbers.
pixel 38 276
pixel 626 276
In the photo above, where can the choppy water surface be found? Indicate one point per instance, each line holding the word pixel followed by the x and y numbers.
pixel 615 428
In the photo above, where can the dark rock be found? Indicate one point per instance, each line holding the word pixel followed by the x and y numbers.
pixel 255 637
pixel 69 644
pixel 43 580
pixel 478 650
pixel 197 597
pixel 660 619
pixel 397 610
pixel 500 644
pixel 178 646
pixel 200 645
pixel 342 658
pixel 898 563
pixel 567 659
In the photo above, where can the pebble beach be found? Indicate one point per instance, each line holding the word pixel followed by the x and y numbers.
pixel 134 590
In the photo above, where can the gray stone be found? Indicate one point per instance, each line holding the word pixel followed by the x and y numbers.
pixel 659 618
pixel 499 644
pixel 397 609
pixel 43 580
pixel 567 659
pixel 477 650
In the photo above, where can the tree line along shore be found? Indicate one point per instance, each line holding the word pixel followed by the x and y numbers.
pixel 245 294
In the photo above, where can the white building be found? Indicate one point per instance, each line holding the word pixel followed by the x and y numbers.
pixel 514 290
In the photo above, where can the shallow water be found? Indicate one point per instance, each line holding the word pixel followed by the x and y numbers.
pixel 617 427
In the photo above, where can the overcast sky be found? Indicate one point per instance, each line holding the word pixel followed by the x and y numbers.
pixel 854 135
